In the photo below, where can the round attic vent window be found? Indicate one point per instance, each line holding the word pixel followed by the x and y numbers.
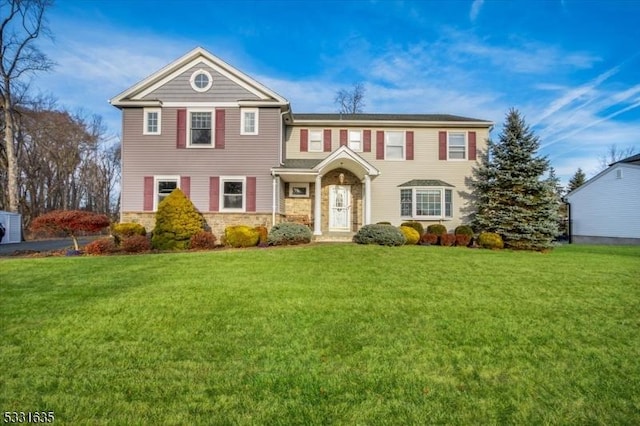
pixel 201 81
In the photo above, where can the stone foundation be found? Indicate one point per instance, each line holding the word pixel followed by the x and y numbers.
pixel 216 221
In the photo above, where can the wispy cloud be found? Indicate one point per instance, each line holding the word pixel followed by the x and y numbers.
pixel 475 9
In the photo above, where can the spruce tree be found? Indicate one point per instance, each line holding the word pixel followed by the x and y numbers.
pixel 511 196
pixel 577 180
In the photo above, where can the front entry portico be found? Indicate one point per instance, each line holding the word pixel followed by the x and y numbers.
pixel 339 195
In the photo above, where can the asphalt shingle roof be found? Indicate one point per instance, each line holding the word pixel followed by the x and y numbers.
pixel 386 117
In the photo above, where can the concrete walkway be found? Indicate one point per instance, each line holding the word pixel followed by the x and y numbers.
pixel 41 245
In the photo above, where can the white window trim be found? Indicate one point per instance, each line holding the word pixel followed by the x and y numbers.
pixel 156 180
pixel 195 74
pixel 466 146
pixel 224 179
pixel 404 145
pixel 242 120
pixel 299 185
pixel 321 140
pixel 442 215
pixel 145 129
pixel 213 128
pixel 349 140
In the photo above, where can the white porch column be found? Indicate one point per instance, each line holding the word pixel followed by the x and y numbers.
pixel 367 199
pixel 317 208
pixel 274 205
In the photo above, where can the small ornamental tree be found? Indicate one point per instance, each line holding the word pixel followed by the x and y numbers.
pixel 70 222
pixel 177 220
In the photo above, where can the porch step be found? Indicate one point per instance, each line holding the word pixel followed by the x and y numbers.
pixel 334 237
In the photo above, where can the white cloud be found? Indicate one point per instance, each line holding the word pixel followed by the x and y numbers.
pixel 475 9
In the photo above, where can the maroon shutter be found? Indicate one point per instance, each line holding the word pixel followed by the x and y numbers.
pixel 251 194
pixel 181 137
pixel 367 141
pixel 220 127
pixel 472 145
pixel 327 140
pixel 185 185
pixel 304 140
pixel 343 137
pixel 379 145
pixel 147 204
pixel 214 194
pixel 409 145
pixel 442 145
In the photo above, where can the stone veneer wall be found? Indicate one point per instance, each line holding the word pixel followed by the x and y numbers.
pixel 216 221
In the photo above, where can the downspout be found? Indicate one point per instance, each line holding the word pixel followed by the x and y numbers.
pixel 569 230
pixel 280 155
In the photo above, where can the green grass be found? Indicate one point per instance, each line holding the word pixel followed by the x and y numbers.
pixel 325 334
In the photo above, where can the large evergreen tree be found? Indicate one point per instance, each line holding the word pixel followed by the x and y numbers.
pixel 512 196
pixel 577 180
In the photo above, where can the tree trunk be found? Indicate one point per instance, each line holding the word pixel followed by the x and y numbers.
pixel 12 159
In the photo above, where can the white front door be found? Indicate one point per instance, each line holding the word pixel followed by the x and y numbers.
pixel 339 207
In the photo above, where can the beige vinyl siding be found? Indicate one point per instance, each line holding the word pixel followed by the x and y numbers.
pixel 385 193
pixel 180 90
pixel 154 155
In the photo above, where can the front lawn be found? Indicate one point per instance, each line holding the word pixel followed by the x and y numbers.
pixel 325 334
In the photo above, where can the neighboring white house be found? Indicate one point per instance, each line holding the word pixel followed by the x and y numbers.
pixel 606 209
pixel 12 224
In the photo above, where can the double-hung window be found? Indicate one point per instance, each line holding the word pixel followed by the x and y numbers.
pixel 164 185
pixel 315 141
pixel 426 203
pixel 355 140
pixel 394 145
pixel 457 146
pixel 152 121
pixel 200 128
pixel 249 121
pixel 232 193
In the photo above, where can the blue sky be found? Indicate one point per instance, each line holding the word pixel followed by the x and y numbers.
pixel 571 67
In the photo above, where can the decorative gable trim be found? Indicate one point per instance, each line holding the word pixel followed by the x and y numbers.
pixel 346 153
pixel 193 58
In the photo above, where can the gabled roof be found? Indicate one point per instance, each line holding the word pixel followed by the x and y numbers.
pixel 630 165
pixel 420 120
pixel 426 182
pixel 134 95
pixel 633 159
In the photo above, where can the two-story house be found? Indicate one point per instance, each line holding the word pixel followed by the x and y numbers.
pixel 237 150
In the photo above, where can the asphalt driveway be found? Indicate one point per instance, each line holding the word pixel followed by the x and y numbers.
pixel 41 245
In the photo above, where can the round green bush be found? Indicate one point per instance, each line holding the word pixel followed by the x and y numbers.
pixel 384 223
pixel 177 220
pixel 410 234
pixel 464 230
pixel 241 236
pixel 437 229
pixel 289 233
pixel 490 240
pixel 383 235
pixel 415 225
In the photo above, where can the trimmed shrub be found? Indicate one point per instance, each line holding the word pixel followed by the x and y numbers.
pixel 447 240
pixel 410 234
pixel 383 223
pixel 136 244
pixel 177 220
pixel 124 230
pixel 101 246
pixel 289 233
pixel 437 229
pixel 490 240
pixel 464 230
pixel 415 225
pixel 203 240
pixel 429 239
pixel 264 235
pixel 463 240
pixel 241 236
pixel 383 235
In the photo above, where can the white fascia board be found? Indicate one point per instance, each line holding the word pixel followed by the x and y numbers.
pixel 393 123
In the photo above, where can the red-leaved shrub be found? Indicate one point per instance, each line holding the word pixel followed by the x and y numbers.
pixel 462 240
pixel 70 222
pixel 203 240
pixel 136 244
pixel 447 240
pixel 429 239
pixel 101 246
